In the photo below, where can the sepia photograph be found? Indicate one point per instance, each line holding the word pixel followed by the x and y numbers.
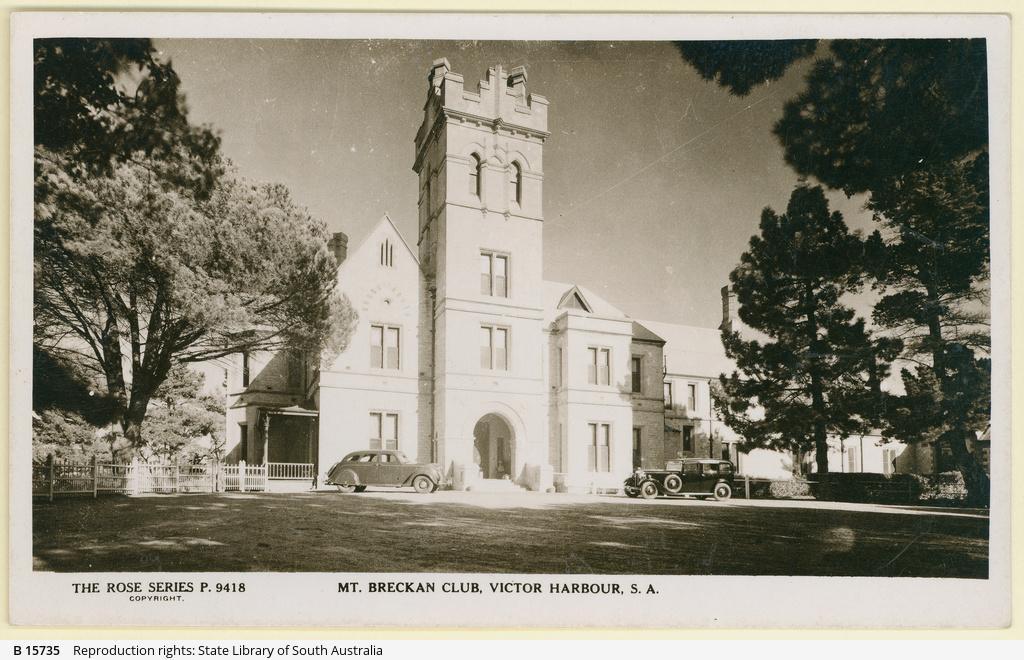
pixel 585 310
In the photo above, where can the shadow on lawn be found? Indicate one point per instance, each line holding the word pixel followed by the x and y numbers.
pixel 402 532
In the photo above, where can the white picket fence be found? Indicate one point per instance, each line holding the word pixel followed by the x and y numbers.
pixel 53 478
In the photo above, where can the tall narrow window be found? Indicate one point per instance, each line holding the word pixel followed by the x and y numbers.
pixel 383 430
pixel 474 175
pixel 243 442
pixel 599 366
pixel 853 459
pixel 638 452
pixel 598 458
pixel 888 461
pixel 494 274
pixel 688 438
pixel 494 348
pixel 387 253
pixel 668 395
pixel 515 184
pixel 636 375
pixel 691 397
pixel 385 347
pixel 245 369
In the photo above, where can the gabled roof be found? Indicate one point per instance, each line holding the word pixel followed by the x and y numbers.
pixel 386 219
pixel 559 296
pixel 574 299
pixel 641 333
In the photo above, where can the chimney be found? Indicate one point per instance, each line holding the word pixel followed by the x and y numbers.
pixel 517 82
pixel 730 318
pixel 338 245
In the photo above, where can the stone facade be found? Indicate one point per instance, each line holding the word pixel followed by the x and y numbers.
pixel 465 356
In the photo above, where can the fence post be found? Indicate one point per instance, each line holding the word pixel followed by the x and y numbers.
pixel 136 484
pixel 177 477
pixel 241 476
pixel 746 486
pixel 49 474
pixel 95 476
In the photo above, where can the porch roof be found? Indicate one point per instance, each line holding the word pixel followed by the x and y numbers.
pixel 292 411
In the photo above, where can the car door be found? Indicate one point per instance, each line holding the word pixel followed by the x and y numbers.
pixel 365 467
pixel 709 477
pixel 389 470
pixel 690 473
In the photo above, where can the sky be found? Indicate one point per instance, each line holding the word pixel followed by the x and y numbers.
pixel 654 180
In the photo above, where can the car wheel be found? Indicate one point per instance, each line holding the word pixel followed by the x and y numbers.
pixel 673 483
pixel 632 492
pixel 345 489
pixel 649 490
pixel 722 492
pixel 423 484
pixel 360 489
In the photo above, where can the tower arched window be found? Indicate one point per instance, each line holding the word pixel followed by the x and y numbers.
pixel 515 183
pixel 475 171
pixel 387 253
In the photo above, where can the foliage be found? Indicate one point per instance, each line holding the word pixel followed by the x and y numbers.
pixel 817 370
pixel 100 102
pixel 866 487
pixel 63 384
pixel 741 65
pixel 875 110
pixel 135 275
pixel 184 424
pixel 942 488
pixel 789 488
pixel 67 436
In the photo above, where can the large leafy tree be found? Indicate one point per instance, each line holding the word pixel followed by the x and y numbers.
pixel 134 275
pixel 741 65
pixel 185 423
pixel 812 371
pixel 99 102
pixel 906 122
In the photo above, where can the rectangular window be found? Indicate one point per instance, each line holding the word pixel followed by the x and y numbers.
pixel 598 366
pixel 688 438
pixel 598 459
pixel 638 453
pixel 668 395
pixel 494 274
pixel 383 430
pixel 888 461
pixel 385 347
pixel 637 360
pixel 245 370
pixel 691 397
pixel 243 442
pixel 853 459
pixel 494 348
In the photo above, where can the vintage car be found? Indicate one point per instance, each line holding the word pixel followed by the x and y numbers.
pixel 383 467
pixel 688 477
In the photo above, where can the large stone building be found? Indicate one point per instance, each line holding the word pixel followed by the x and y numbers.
pixel 465 355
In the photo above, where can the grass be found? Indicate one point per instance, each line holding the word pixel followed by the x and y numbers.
pixel 527 533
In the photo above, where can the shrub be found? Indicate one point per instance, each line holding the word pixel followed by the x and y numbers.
pixel 789 488
pixel 942 488
pixel 866 487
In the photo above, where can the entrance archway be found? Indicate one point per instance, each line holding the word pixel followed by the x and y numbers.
pixel 494 447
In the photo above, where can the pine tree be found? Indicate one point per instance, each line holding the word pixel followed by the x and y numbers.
pixel 814 369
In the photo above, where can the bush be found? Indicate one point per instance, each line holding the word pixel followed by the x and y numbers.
pixel 942 488
pixel 868 487
pixel 789 488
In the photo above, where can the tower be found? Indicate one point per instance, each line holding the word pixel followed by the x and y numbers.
pixel 479 161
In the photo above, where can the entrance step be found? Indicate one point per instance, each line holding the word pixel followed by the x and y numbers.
pixel 496 486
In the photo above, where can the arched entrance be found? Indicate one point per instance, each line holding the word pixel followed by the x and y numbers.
pixel 493 447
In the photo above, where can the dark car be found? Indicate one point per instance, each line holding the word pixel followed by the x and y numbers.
pixel 689 477
pixel 376 467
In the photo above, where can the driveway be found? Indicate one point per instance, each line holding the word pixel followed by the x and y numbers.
pixel 393 531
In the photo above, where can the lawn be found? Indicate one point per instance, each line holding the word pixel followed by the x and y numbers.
pixel 522 533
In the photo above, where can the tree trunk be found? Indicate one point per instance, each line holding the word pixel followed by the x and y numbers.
pixel 976 481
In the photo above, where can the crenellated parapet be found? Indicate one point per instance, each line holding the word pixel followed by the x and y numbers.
pixel 500 104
